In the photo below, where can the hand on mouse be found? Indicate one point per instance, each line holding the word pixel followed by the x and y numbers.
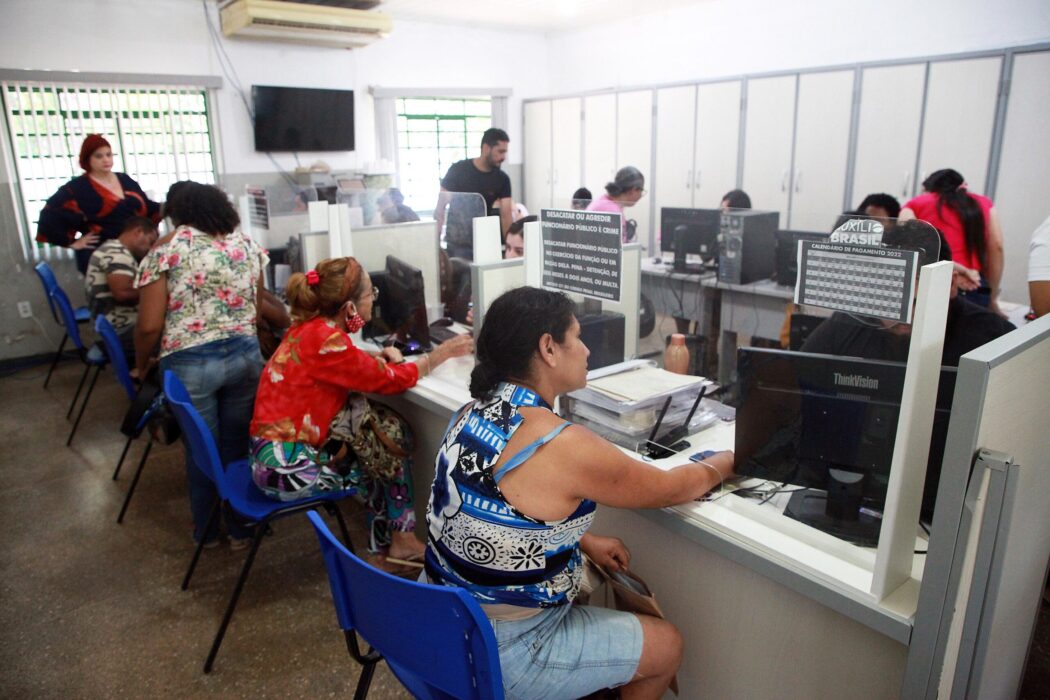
pixel 453 347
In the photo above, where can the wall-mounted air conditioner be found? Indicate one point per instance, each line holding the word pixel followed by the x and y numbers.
pixel 302 23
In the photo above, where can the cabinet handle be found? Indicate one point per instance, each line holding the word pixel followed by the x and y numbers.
pixel 555 176
pixel 798 181
pixel 784 181
pixel 688 179
pixel 548 176
pixel 696 182
pixel 907 181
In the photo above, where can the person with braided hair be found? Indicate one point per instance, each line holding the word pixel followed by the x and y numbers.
pixel 970 224
pixel 313 429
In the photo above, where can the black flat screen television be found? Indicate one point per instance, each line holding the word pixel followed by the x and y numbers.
pixel 828 423
pixel 303 119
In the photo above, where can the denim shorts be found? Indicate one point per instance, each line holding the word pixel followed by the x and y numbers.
pixel 567 652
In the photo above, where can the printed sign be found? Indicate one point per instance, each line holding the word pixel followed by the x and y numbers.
pixel 858 232
pixel 859 279
pixel 582 252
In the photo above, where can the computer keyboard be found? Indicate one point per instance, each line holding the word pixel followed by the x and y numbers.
pixel 439 334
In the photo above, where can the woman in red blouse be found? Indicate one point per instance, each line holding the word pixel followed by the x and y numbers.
pixel 313 430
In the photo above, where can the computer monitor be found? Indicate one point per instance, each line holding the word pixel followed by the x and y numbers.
pixel 690 232
pixel 787 253
pixel 400 312
pixel 828 424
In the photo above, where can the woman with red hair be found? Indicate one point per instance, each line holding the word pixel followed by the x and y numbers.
pixel 95 204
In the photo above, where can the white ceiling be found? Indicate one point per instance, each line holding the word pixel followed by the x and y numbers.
pixel 527 15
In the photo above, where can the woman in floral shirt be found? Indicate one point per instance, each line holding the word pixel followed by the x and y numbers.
pixel 314 431
pixel 199 290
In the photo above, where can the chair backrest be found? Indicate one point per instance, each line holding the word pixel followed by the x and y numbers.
pixel 436 639
pixel 68 316
pixel 48 279
pixel 115 351
pixel 198 437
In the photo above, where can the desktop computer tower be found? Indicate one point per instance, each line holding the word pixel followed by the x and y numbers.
pixel 603 334
pixel 747 246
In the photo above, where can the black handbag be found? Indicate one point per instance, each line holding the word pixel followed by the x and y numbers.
pixel 150 411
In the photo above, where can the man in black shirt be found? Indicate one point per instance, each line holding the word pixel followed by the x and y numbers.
pixel 968 326
pixel 483 176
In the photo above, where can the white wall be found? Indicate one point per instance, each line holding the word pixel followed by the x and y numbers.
pixel 731 37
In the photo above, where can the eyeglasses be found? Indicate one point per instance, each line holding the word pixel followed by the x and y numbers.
pixel 375 293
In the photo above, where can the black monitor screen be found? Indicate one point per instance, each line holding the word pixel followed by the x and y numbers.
pixel 400 312
pixel 787 253
pixel 829 423
pixel 303 119
pixel 695 230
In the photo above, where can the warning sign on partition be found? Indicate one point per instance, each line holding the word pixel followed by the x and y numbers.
pixel 582 252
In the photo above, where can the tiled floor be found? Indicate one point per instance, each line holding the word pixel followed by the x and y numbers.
pixel 92 609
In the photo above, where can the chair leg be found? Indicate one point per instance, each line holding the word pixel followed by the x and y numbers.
pixel 134 482
pixel 73 403
pixel 365 680
pixel 333 510
pixel 87 397
pixel 200 545
pixel 120 462
pixel 260 532
pixel 58 356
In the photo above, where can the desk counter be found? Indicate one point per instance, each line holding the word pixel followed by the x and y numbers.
pixel 768 607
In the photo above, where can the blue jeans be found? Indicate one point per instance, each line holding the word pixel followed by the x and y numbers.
pixel 221 378
pixel 567 652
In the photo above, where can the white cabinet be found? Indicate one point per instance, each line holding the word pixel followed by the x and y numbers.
pixel 553 150
pixel 599 141
pixel 891 100
pixel 537 152
pixel 1022 194
pixel 822 125
pixel 672 181
pixel 634 146
pixel 960 117
pixel 717 143
pixel 770 125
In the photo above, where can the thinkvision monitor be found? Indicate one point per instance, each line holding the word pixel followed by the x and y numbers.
pixel 687 232
pixel 828 424
pixel 400 312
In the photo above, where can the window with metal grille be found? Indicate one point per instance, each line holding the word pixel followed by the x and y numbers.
pixel 432 134
pixel 159 135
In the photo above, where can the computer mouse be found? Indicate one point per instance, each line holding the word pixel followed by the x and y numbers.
pixel 658 260
pixel 443 322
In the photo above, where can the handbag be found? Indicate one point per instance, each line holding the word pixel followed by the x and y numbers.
pixel 630 593
pixel 150 411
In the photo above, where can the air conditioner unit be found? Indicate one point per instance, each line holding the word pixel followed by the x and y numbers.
pixel 302 23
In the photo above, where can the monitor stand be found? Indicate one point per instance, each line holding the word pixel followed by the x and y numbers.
pixel 809 506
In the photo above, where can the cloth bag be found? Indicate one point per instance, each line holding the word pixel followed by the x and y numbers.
pixel 620 590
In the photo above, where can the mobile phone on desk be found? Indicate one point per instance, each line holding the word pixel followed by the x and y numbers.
pixel 701 456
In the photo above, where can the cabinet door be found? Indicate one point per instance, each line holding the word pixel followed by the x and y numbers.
pixel 599 141
pixel 537 155
pixel 960 115
pixel 888 131
pixel 1022 191
pixel 634 146
pixel 825 105
pixel 717 140
pixel 672 182
pixel 567 149
pixel 770 125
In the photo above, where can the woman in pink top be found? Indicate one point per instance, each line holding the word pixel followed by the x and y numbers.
pixel 970 225
pixel 624 191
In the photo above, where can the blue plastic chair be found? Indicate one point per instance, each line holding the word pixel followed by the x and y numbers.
pixel 81 313
pixel 235 486
pixel 436 639
pixel 91 357
pixel 117 360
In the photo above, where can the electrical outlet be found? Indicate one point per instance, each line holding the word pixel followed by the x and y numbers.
pixel 25 310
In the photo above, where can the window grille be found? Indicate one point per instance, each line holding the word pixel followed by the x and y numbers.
pixel 159 135
pixel 432 134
